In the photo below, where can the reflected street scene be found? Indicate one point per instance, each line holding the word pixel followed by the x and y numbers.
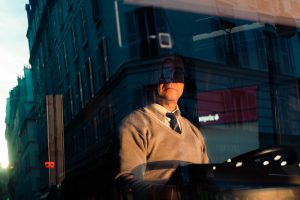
pixel 162 99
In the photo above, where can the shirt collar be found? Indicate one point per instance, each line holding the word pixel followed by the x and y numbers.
pixel 161 111
pixel 176 111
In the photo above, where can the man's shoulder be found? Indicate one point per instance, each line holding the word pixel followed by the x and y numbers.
pixel 138 111
pixel 136 115
pixel 144 111
pixel 143 115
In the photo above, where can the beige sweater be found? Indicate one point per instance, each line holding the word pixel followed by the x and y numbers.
pixel 150 151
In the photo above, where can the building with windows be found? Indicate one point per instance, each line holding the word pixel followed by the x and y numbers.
pixel 103 57
pixel 22 140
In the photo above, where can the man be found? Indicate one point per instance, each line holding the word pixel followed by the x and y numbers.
pixel 156 139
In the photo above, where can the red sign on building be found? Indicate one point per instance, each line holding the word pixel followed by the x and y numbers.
pixel 227 106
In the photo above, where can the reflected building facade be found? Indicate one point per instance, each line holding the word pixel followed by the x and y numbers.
pixel 22 140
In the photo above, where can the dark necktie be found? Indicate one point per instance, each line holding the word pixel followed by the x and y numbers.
pixel 173 122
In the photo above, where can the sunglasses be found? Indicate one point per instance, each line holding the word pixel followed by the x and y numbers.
pixel 172 72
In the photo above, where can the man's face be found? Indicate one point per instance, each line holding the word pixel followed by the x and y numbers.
pixel 171 82
pixel 170 91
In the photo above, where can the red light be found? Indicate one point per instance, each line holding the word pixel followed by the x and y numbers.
pixel 49 164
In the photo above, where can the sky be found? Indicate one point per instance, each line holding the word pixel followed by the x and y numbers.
pixel 14 54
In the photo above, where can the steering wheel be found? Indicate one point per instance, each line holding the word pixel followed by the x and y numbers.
pixel 274 153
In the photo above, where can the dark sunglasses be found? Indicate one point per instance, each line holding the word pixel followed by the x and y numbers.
pixel 172 72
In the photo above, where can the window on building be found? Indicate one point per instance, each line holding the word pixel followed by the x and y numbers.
pixel 68 106
pixel 83 28
pixel 226 44
pixel 60 14
pixel 243 49
pixel 261 51
pixel 96 9
pixel 71 101
pixel 104 59
pixel 100 78
pixel 54 24
pixel 89 77
pixel 147 30
pixel 70 5
pixel 65 58
pixel 218 42
pixel 59 70
pixel 42 55
pixel 48 38
pixel 74 41
pixel 79 94
pixel 286 65
pixel 132 34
